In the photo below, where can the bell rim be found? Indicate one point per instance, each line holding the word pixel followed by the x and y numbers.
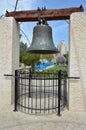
pixel 44 51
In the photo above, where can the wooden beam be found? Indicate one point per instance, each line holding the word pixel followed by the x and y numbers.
pixel 48 14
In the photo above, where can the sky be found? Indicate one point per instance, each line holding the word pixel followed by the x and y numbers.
pixel 60 28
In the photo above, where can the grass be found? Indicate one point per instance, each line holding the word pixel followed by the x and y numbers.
pixel 49 73
pixel 56 68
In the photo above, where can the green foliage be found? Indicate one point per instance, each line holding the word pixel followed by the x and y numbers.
pixel 31 59
pixel 27 58
pixel 52 72
pixel 48 57
pixel 56 68
pixel 23 50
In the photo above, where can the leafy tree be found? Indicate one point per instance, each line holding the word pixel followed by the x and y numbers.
pixel 23 50
pixel 31 59
pixel 48 57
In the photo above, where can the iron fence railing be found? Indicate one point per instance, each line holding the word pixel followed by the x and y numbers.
pixel 40 92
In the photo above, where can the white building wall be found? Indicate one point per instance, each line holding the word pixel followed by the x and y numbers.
pixel 9 58
pixel 77 62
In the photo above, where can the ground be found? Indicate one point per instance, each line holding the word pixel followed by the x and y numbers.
pixel 10 120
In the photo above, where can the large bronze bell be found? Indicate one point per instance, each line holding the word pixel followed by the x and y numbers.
pixel 42 42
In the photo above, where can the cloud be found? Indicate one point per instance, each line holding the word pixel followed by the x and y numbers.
pixel 6 5
pixel 22 5
pixel 27 4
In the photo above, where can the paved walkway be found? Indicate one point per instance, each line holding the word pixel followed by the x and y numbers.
pixel 10 120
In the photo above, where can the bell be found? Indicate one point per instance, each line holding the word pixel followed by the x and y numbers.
pixel 42 42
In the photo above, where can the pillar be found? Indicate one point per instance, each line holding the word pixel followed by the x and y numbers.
pixel 77 62
pixel 9 58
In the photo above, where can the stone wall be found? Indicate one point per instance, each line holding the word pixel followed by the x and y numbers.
pixel 77 62
pixel 9 58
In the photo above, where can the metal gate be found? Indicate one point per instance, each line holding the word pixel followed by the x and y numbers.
pixel 40 92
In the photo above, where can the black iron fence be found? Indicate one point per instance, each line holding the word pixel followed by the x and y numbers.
pixel 40 92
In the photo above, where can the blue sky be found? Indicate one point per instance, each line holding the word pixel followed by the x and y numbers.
pixel 60 29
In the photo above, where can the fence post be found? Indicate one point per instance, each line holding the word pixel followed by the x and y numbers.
pixel 30 83
pixel 65 90
pixel 16 90
pixel 59 92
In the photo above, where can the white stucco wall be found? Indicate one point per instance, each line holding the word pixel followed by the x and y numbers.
pixel 9 58
pixel 77 62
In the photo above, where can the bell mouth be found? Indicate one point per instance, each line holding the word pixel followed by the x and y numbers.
pixel 43 51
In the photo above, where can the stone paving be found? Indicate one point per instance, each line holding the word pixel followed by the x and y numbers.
pixel 10 120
